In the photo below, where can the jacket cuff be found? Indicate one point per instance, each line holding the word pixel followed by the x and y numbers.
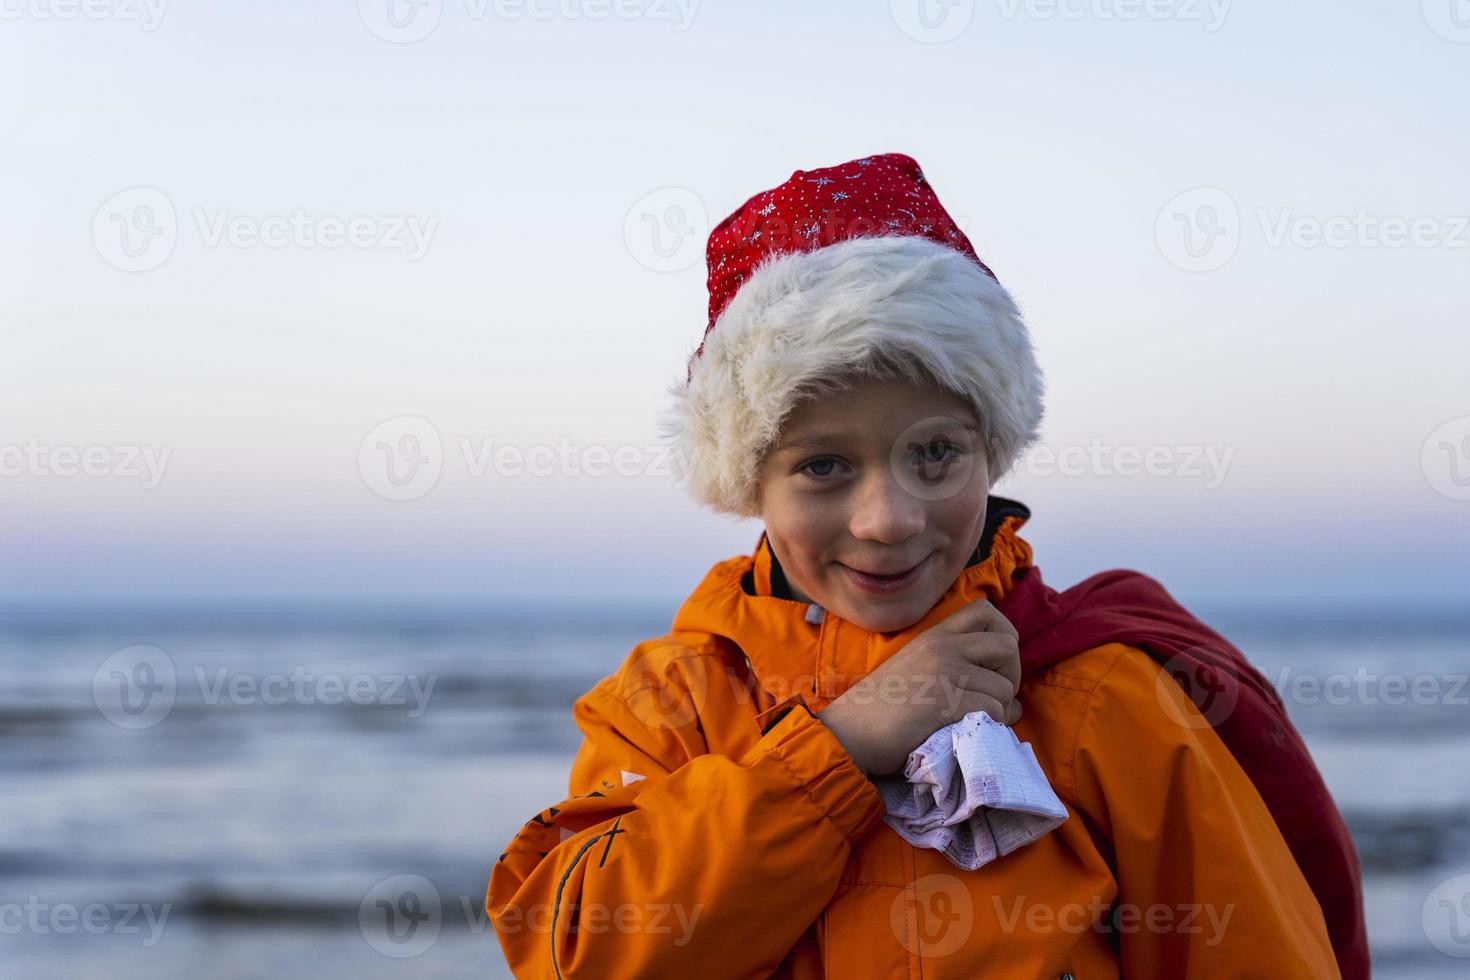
pixel 767 719
pixel 827 774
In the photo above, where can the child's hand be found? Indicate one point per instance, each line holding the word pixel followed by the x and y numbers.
pixel 969 662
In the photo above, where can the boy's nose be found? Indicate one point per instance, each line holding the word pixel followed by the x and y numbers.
pixel 884 511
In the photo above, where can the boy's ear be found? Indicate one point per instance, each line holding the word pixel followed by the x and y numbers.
pixel 760 484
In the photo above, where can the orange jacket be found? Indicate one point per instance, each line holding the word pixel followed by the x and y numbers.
pixel 693 843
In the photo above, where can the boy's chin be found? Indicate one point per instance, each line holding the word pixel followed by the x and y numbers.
pixel 884 615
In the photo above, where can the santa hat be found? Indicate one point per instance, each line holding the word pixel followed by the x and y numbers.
pixel 849 269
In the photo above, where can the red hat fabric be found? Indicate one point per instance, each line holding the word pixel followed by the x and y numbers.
pixel 886 194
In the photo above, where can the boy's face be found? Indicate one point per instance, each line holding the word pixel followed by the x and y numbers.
pixel 885 477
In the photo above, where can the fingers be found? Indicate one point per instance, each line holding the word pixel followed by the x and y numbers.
pixel 1000 652
pixel 1007 713
pixel 982 688
pixel 979 616
pixel 974 701
pixel 984 680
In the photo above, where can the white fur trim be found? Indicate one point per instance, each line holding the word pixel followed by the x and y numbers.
pixel 807 317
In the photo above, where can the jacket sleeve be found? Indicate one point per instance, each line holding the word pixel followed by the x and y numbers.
pixel 668 858
pixel 1207 887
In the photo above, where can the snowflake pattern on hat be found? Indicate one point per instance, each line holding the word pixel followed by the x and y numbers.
pixel 886 194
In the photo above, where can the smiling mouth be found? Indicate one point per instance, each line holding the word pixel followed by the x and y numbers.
pixel 881 583
pixel 901 572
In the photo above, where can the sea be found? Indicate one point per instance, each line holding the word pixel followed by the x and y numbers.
pixel 283 789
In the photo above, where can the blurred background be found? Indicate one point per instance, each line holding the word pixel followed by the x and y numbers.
pixel 336 335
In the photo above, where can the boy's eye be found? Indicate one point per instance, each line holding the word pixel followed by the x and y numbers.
pixel 821 467
pixel 936 450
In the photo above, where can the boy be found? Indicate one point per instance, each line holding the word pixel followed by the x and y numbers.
pixel 863 380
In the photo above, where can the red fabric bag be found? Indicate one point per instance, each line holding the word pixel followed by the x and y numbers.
pixel 1123 606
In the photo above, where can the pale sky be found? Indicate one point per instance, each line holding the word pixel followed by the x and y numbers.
pixel 1306 370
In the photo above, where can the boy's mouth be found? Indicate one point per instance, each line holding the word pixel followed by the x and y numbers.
pixel 882 584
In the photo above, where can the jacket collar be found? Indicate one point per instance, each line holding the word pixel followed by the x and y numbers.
pixel 794 646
